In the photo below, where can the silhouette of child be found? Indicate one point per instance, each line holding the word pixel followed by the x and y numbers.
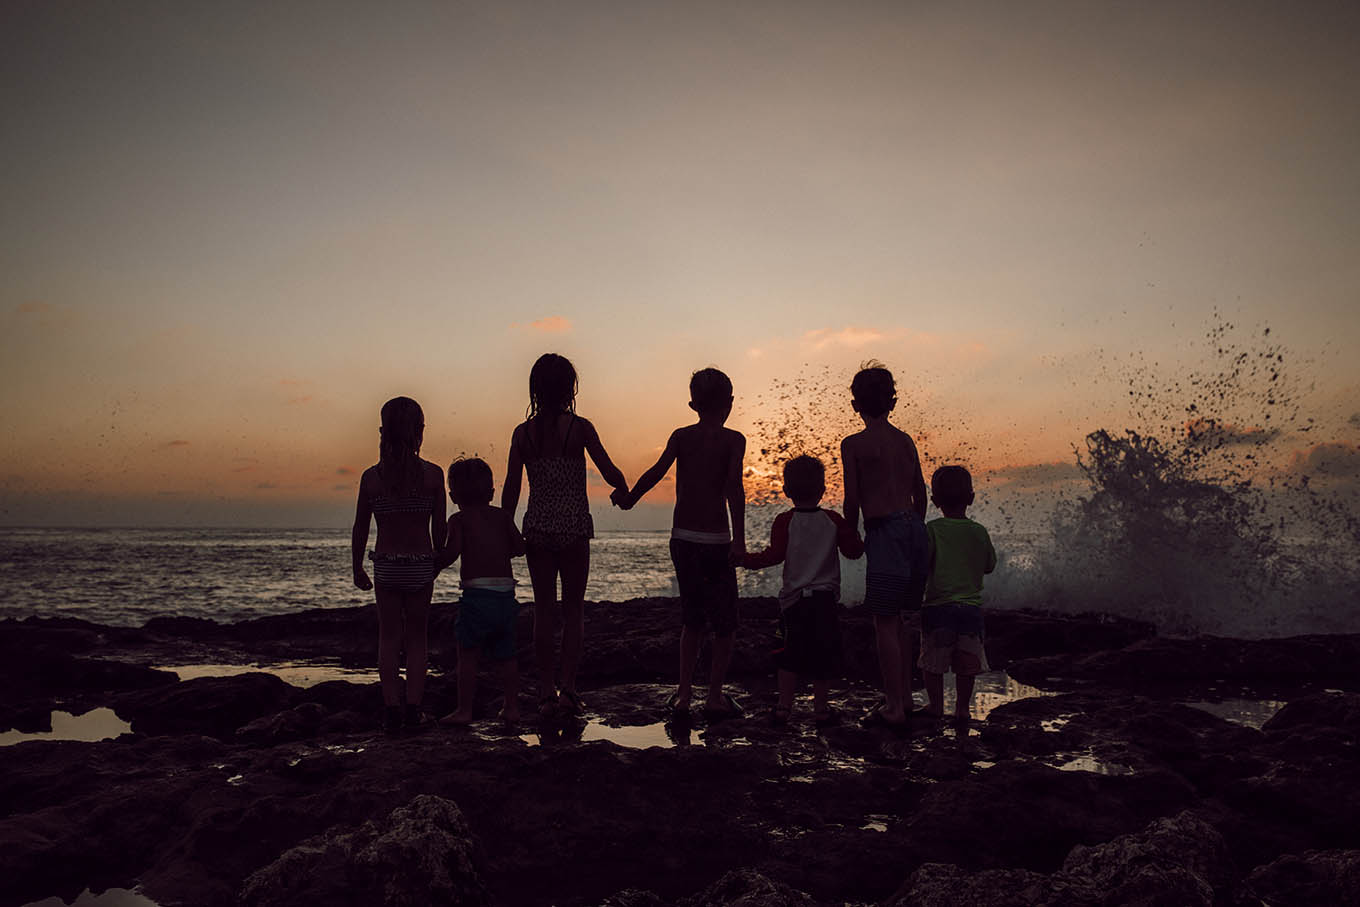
pixel 405 494
pixel 486 539
pixel 551 446
pixel 705 551
pixel 961 553
pixel 883 480
pixel 805 540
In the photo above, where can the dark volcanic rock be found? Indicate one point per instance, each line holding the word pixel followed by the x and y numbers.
pixel 1308 879
pixel 213 706
pixel 421 854
pixel 745 888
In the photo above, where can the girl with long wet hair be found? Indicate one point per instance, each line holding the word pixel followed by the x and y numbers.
pixel 551 446
pixel 405 494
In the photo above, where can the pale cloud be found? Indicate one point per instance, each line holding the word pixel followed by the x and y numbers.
pixel 245 469
pixel 755 352
pixel 293 382
pixel 849 337
pixel 553 324
pixel 32 308
pixel 345 471
pixel 176 443
pixel 265 486
pixel 298 400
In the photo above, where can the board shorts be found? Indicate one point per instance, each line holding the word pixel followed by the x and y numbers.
pixel 808 638
pixel 897 562
pixel 486 621
pixel 951 639
pixel 708 586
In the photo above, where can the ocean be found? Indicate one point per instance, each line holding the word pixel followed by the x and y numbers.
pixel 124 577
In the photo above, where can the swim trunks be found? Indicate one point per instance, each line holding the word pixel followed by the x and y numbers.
pixel 808 638
pixel 486 621
pixel 708 586
pixel 897 561
pixel 952 639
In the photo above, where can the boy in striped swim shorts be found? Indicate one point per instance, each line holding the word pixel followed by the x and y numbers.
pixel 883 480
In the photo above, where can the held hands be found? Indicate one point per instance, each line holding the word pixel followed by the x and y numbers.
pixel 622 499
pixel 361 579
pixel 737 553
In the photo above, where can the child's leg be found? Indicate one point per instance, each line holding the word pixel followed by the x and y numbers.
pixel 717 669
pixel 690 640
pixel 467 684
pixel 543 576
pixel 510 684
pixel 934 692
pixel 416 606
pixel 389 643
pixel 907 643
pixel 821 689
pixel 788 685
pixel 574 564
pixel 966 667
pixel 888 633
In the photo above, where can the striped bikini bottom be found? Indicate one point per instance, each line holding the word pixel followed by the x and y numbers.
pixel 404 572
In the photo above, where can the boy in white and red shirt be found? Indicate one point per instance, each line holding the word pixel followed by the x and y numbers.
pixel 806 539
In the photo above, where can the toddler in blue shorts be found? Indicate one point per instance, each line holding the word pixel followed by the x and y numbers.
pixel 485 539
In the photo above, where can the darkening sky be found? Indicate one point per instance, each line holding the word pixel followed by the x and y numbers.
pixel 229 231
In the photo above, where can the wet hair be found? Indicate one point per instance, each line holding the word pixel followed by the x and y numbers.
pixel 873 389
pixel 709 389
pixel 951 486
pixel 804 477
pixel 403 426
pixel 470 479
pixel 552 386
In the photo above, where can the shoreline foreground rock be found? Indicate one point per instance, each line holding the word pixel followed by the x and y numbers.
pixel 1105 780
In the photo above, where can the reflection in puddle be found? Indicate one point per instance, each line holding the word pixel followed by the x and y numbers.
pixel 1252 713
pixel 1093 765
pixel 637 736
pixel 875 823
pixel 1053 725
pixel 94 725
pixel 299 674
pixel 990 690
pixel 114 897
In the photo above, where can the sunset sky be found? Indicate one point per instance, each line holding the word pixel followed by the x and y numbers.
pixel 230 231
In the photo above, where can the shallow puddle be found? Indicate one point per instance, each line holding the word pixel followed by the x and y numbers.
pixel 114 897
pixel 1253 713
pixel 990 690
pixel 90 727
pixel 637 737
pixel 1089 763
pixel 299 674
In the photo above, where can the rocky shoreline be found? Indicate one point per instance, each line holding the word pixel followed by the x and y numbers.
pixel 1106 789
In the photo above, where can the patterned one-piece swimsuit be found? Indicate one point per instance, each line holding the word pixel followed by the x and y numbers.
pixel 558 513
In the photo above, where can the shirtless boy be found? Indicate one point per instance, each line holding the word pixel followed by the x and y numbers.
pixel 883 480
pixel 705 551
pixel 485 539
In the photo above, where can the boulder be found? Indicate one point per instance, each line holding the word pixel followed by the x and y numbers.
pixel 421 854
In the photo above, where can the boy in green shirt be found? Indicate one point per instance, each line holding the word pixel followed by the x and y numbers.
pixel 961 553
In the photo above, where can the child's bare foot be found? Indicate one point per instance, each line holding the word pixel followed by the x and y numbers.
pixel 678 703
pixel 457 719
pixel 510 716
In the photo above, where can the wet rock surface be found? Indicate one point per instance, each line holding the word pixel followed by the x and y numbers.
pixel 1105 789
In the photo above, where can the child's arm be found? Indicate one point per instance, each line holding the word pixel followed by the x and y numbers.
pixel 778 548
pixel 516 540
pixel 918 480
pixel 736 499
pixel 439 528
pixel 851 477
pixel 608 471
pixel 514 473
pixel 847 537
pixel 358 538
pixel 447 553
pixel 991 553
pixel 648 479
